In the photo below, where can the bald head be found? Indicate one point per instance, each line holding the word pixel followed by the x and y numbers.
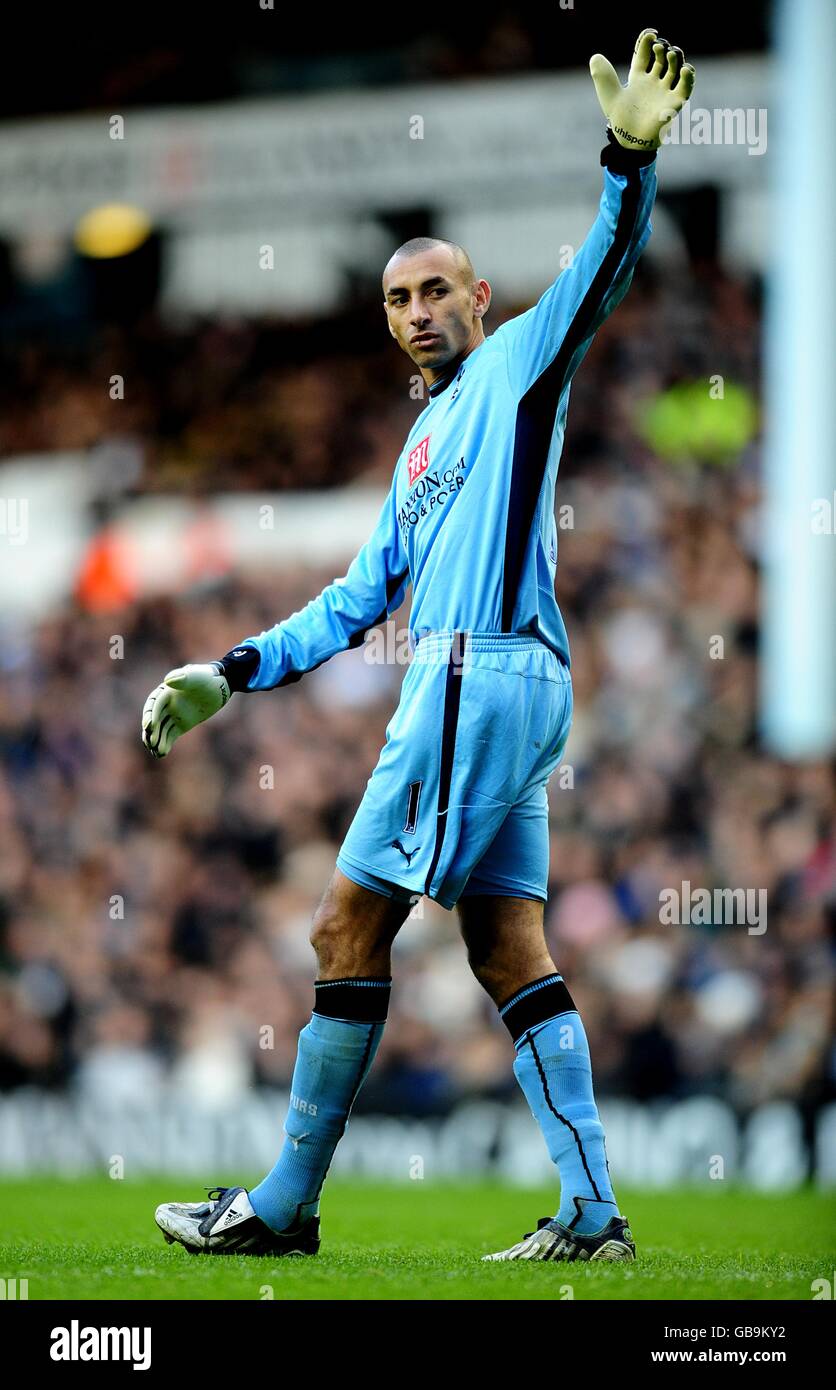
pixel 458 260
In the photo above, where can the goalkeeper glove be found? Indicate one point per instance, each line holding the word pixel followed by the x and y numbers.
pixel 639 112
pixel 186 697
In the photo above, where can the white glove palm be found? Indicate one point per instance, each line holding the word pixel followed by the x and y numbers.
pixel 186 697
pixel 639 112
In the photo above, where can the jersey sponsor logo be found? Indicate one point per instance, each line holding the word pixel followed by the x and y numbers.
pixel 418 461
pixel 431 491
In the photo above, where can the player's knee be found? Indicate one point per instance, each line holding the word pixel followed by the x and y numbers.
pixel 344 944
pixel 487 957
pixel 490 974
pixel 328 934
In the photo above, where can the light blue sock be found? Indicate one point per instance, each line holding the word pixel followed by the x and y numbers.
pixel 332 1063
pixel 554 1070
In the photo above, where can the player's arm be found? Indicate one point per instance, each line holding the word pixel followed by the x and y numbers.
pixel 339 618
pixel 557 331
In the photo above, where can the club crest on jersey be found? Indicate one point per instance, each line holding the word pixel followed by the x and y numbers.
pixel 418 461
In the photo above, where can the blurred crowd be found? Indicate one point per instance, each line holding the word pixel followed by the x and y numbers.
pixel 219 406
pixel 155 916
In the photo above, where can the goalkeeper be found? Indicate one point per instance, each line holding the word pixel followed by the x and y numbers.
pixel 457 805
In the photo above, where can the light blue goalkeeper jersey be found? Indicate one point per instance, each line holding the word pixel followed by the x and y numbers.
pixel 469 519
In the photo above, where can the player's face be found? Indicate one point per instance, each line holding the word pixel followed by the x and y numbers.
pixel 430 310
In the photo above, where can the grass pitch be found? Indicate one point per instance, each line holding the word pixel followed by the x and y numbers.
pixel 96 1239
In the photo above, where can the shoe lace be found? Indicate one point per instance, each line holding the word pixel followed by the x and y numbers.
pixel 216 1193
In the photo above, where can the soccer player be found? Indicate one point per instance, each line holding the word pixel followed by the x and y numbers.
pixel 457 806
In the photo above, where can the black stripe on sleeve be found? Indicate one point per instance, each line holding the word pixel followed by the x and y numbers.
pixel 536 410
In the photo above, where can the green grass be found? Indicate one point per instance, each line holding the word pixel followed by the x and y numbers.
pixel 96 1239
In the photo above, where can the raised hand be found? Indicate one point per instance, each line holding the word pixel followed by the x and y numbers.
pixel 639 112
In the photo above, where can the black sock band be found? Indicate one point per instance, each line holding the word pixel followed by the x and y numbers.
pixel 360 1000
pixel 534 1003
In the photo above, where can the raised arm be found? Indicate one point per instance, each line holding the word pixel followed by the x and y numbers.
pixel 560 327
pixel 556 333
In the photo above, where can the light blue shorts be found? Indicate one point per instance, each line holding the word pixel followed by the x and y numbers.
pixel 457 804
